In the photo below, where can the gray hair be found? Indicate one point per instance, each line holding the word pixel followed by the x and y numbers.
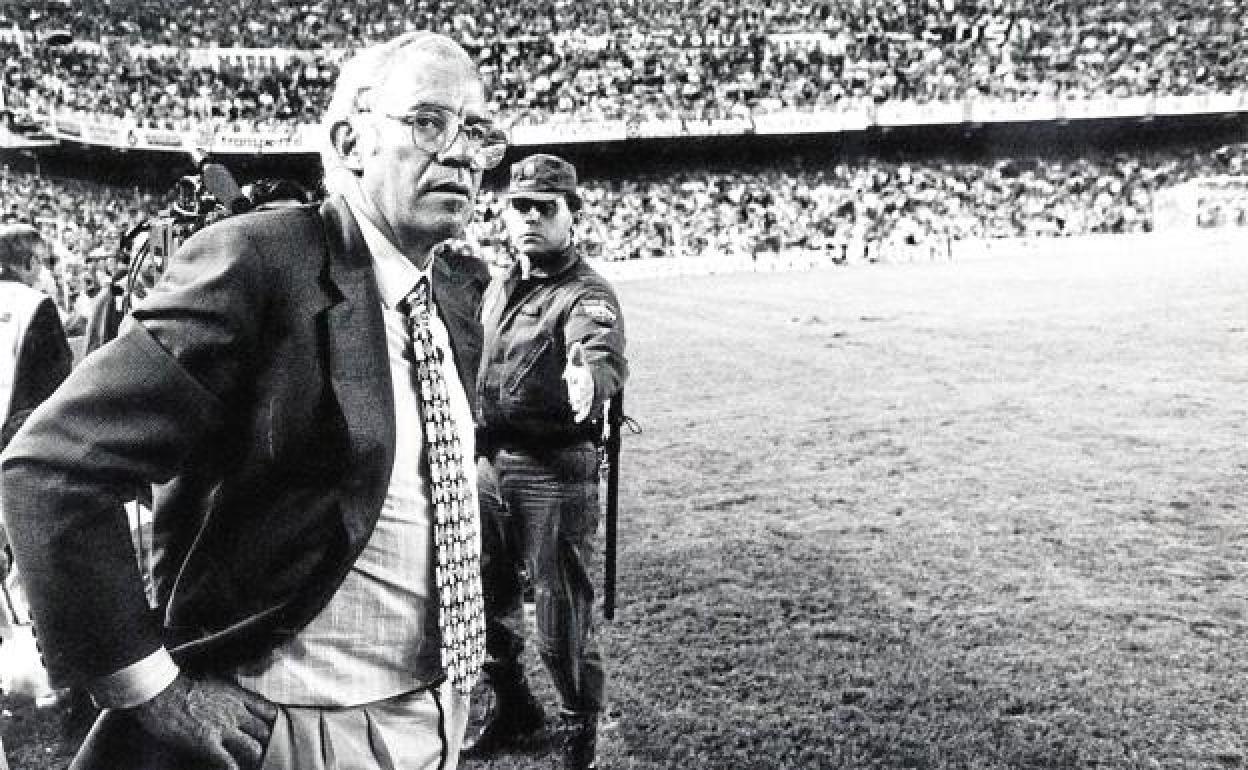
pixel 360 77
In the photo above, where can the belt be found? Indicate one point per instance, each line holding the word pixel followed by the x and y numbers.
pixel 491 439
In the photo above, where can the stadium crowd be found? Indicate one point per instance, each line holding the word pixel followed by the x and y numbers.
pixel 569 61
pixel 859 209
pixel 86 222
pixel 572 61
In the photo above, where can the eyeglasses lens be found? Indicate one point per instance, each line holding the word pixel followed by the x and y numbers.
pixel 436 131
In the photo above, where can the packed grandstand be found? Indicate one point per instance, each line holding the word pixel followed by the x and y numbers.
pixel 252 78
pixel 158 63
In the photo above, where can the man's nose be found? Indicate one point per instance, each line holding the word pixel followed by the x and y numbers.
pixel 459 153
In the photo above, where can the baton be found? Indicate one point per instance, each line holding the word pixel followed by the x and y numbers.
pixel 614 420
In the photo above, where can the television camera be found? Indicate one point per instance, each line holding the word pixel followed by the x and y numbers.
pixel 198 200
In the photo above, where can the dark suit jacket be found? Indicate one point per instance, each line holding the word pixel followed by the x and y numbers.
pixel 254 391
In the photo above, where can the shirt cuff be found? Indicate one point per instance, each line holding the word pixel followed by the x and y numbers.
pixel 135 684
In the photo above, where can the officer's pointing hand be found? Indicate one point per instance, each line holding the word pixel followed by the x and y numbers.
pixel 214 720
pixel 580 383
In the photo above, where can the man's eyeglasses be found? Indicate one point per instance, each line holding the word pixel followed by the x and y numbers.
pixel 543 208
pixel 435 130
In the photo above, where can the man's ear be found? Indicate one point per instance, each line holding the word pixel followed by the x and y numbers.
pixel 346 142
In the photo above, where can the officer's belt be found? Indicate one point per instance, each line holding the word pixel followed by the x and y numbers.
pixel 491 439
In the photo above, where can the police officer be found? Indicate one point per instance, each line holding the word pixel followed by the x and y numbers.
pixel 554 354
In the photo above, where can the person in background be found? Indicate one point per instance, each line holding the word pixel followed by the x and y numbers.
pixel 34 354
pixel 106 310
pixel 34 359
pixel 553 356
pixel 299 390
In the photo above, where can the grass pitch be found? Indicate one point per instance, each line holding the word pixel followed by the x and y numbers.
pixel 944 515
pixel 957 515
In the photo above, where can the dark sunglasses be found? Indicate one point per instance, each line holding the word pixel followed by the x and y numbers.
pixel 544 208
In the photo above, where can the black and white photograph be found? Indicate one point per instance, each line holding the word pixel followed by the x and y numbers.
pixel 662 384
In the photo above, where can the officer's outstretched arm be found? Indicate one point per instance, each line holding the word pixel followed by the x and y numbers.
pixel 594 339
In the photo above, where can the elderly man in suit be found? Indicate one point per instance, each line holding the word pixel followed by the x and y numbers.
pixel 298 389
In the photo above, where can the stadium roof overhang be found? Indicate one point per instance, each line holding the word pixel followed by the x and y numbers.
pixel 11 141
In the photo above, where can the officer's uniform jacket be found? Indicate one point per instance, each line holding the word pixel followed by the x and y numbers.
pixel 529 327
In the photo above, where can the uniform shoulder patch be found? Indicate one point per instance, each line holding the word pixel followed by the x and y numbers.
pixel 599 309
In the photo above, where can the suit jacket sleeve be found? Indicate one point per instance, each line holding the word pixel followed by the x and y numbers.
pixel 43 362
pixel 127 417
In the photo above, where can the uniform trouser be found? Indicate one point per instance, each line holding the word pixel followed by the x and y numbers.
pixel 539 511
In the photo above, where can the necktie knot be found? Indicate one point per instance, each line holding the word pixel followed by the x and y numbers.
pixel 417 300
pixel 416 312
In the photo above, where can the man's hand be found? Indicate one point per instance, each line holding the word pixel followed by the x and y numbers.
pixel 211 719
pixel 580 383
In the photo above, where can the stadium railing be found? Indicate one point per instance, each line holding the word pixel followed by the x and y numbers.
pixel 225 138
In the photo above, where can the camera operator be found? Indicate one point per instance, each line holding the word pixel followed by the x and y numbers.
pixel 199 200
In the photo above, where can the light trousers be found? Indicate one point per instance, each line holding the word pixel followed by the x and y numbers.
pixel 416 731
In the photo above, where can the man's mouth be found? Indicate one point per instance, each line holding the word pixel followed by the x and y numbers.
pixel 453 188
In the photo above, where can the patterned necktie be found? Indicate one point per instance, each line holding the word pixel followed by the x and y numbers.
pixel 457 570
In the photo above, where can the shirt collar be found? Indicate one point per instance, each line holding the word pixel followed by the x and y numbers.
pixel 396 275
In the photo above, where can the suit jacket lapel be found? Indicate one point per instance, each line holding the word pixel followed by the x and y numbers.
pixel 458 297
pixel 359 368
